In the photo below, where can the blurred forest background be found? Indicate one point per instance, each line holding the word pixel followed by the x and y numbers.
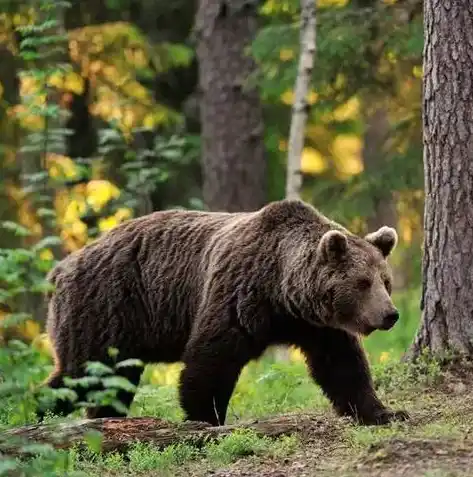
pixel 101 119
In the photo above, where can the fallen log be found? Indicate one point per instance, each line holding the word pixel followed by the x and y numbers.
pixel 117 434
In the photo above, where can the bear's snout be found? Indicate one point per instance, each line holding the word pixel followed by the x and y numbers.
pixel 390 320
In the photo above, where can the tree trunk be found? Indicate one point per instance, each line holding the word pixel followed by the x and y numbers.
pixel 234 166
pixel 447 298
pixel 300 111
pixel 117 434
pixel 374 153
pixel 301 106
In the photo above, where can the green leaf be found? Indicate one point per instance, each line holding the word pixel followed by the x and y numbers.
pixel 118 382
pixel 85 382
pixel 14 319
pixel 46 242
pixel 36 448
pixel 94 440
pixel 17 229
pixel 119 406
pixel 129 363
pixel 42 212
pixel 8 465
pixel 95 368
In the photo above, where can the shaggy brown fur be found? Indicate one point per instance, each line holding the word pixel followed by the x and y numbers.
pixel 214 290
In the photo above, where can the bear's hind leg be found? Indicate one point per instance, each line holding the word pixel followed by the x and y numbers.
pixel 339 365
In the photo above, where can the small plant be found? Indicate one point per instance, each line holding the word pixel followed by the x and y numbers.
pixel 240 443
pixel 144 457
pixel 361 437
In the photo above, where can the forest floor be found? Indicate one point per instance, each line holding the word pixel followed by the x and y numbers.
pixel 436 442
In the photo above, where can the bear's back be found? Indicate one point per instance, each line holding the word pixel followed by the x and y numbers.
pixel 142 278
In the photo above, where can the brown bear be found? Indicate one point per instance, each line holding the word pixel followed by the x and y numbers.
pixel 214 290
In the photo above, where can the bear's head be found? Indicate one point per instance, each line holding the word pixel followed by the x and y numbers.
pixel 354 281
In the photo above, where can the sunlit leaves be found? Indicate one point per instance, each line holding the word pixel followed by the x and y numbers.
pixel 312 162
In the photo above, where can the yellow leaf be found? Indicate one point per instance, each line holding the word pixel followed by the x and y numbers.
pixel 287 97
pixel 29 329
pixel 296 355
pixel 384 356
pixel 107 223
pixel 347 152
pixel 391 57
pixel 347 110
pixel 417 71
pixel 42 343
pixel 61 166
pixel 312 161
pixel 334 3
pixel 46 255
pixel 123 214
pixel 56 80
pixel 286 54
pixel 99 192
pixel 283 145
pixel 406 229
pixel 149 121
pixel 74 82
pixel 312 97
pixel 128 119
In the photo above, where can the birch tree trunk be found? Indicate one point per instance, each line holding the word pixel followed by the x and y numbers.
pixel 447 299
pixel 301 106
pixel 300 110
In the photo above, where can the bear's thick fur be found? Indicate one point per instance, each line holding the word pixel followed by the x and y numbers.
pixel 214 290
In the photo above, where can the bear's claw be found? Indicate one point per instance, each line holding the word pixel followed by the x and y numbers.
pixel 384 417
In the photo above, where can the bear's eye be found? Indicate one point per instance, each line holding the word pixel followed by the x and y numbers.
pixel 387 284
pixel 364 283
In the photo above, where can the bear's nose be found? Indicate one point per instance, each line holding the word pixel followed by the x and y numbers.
pixel 390 320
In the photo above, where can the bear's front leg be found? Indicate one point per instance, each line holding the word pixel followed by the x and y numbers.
pixel 213 361
pixel 339 365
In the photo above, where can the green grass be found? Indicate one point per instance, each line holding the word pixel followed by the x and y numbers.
pixel 265 388
pixel 143 458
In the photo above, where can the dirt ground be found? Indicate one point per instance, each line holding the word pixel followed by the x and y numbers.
pixel 436 442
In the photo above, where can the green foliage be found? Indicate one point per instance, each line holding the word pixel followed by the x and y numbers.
pixel 367 53
pixel 144 457
pixel 243 443
pixel 22 271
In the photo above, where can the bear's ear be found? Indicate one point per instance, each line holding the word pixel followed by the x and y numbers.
pixel 385 239
pixel 333 245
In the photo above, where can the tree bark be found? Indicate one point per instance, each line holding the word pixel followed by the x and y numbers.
pixel 447 298
pixel 234 165
pixel 301 106
pixel 374 153
pixel 117 434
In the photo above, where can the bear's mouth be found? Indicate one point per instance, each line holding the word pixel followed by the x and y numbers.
pixel 367 330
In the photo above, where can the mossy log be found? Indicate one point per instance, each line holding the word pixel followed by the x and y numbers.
pixel 117 434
